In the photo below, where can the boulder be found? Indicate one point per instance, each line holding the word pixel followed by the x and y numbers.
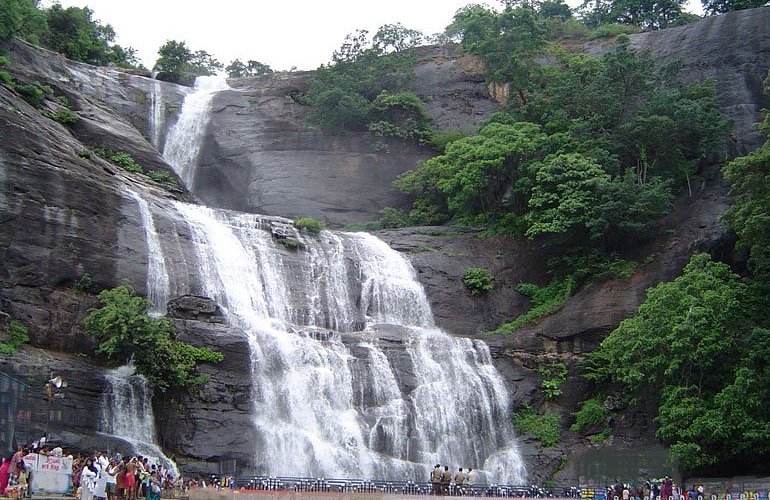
pixel 196 308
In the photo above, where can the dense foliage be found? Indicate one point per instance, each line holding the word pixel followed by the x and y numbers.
pixel 364 87
pixel 722 6
pixel 71 31
pixel 123 331
pixel 586 173
pixel 693 352
pixel 477 280
pixel 508 42
pixel 179 64
pixel 699 348
pixel 544 427
pixel 310 224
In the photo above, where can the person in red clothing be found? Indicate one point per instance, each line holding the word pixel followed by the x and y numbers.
pixel 4 474
pixel 130 480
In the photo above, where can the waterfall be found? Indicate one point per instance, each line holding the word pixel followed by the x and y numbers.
pixel 157 275
pixel 332 408
pixel 157 113
pixel 127 414
pixel 184 139
pixel 350 376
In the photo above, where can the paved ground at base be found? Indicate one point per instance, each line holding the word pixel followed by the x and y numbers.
pixel 208 494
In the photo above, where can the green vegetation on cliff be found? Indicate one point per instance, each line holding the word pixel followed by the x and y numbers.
pixel 178 64
pixel 123 331
pixel 699 348
pixel 364 87
pixel 17 335
pixel 577 171
pixel 70 31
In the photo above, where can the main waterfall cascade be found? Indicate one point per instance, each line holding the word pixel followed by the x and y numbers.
pixel 127 414
pixel 351 378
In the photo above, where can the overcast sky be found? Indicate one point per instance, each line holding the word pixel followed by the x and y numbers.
pixel 280 33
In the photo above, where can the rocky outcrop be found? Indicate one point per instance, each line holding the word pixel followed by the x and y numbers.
pixel 216 423
pixel 196 308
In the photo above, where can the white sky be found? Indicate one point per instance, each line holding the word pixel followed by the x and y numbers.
pixel 280 33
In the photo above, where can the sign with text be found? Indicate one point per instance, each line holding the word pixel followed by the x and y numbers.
pixel 49 474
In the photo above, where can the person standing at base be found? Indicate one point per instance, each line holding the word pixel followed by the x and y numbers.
pixel 435 480
pixel 459 480
pixel 446 478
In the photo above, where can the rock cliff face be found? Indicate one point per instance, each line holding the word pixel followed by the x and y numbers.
pixel 732 49
pixel 261 155
pixel 65 216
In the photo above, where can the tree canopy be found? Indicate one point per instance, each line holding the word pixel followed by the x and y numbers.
pixel 364 87
pixel 579 171
pixel 236 68
pixel 71 31
pixel 178 64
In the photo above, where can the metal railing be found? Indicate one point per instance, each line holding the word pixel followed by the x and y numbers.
pixel 265 483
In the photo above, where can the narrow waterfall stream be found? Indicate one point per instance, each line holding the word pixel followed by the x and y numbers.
pixel 183 141
pixel 158 292
pixel 127 414
pixel 350 376
pixel 157 114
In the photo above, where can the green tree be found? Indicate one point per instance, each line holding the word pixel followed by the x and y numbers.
pixel 366 81
pixel 20 18
pixel 475 174
pixel 554 9
pixel 123 331
pixel 713 7
pixel 650 14
pixel 507 42
pixel 178 64
pixel 691 352
pixel 395 38
pixel 563 200
pixel 74 33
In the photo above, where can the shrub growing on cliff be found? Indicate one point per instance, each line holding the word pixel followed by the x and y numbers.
pixel 310 224
pixel 552 377
pixel 123 331
pixel 591 414
pixel 64 116
pixel 17 335
pixel 477 280
pixel 544 427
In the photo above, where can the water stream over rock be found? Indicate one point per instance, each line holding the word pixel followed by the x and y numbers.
pixel 350 376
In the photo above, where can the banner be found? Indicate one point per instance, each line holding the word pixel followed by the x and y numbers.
pixel 49 474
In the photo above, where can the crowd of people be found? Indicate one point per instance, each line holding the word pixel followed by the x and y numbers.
pixel 665 489
pixel 99 477
pixel 95 476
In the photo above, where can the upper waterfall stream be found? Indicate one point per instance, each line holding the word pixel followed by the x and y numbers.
pixel 350 376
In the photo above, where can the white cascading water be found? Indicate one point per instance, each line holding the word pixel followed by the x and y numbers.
pixel 183 140
pixel 127 414
pixel 157 113
pixel 389 402
pixel 321 411
pixel 157 275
